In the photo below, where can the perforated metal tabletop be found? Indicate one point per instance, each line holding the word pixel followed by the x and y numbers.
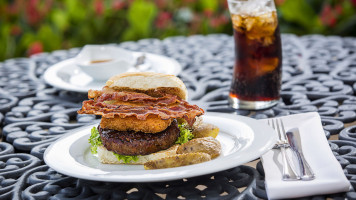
pixel 319 74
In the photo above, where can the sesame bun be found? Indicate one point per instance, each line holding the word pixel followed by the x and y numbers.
pixel 148 82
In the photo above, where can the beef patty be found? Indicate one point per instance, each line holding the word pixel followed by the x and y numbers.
pixel 138 143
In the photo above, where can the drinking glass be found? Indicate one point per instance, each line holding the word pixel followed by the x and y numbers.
pixel 256 78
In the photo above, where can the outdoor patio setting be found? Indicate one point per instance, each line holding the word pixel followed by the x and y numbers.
pixel 138 99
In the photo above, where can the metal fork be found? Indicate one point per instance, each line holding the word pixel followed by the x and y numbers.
pixel 289 172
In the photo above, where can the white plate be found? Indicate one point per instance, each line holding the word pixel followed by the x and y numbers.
pixel 67 76
pixel 243 139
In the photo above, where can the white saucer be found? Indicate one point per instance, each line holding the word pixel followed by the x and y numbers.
pixel 67 75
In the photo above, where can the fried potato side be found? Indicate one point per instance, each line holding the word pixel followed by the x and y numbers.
pixel 177 160
pixel 205 130
pixel 197 123
pixel 207 145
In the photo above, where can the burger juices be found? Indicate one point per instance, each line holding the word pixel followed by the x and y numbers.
pixel 140 114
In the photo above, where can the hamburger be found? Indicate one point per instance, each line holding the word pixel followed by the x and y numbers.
pixel 144 116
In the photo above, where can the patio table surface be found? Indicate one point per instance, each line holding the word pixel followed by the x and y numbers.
pixel 319 74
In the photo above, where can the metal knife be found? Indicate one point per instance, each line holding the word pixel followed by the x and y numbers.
pixel 295 143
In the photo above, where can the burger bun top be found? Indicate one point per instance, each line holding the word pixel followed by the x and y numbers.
pixel 148 82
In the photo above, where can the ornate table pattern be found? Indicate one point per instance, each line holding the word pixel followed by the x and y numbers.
pixel 319 74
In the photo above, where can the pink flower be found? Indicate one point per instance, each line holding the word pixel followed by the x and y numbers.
pixel 118 4
pixel 161 3
pixel 35 47
pixel 12 9
pixel 47 6
pixel 225 5
pixel 99 7
pixel 338 9
pixel 216 22
pixel 208 12
pixel 354 2
pixel 328 16
pixel 33 14
pixel 223 19
pixel 163 19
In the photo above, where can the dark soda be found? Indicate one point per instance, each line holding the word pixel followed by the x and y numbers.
pixel 258 58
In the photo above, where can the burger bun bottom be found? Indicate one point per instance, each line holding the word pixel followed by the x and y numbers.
pixel 107 157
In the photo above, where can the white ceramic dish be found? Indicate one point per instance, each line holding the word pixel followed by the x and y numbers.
pixel 67 75
pixel 243 139
pixel 101 61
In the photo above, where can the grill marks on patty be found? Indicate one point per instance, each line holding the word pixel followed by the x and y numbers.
pixel 138 143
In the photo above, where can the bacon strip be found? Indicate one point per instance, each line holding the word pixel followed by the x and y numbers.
pixel 138 98
pixel 166 107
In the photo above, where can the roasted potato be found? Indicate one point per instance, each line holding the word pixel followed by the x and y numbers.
pixel 177 160
pixel 198 122
pixel 205 130
pixel 207 145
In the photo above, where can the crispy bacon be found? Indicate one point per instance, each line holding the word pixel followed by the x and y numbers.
pixel 138 98
pixel 166 107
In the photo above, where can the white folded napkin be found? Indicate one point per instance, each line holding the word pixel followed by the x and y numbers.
pixel 329 176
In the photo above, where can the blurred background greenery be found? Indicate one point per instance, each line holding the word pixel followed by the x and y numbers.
pixel 31 26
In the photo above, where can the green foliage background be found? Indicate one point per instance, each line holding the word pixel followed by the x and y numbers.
pixel 32 26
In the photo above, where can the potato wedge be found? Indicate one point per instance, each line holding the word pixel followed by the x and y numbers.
pixel 177 160
pixel 205 130
pixel 198 122
pixel 207 145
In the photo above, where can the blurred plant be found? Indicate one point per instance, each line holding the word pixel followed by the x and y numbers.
pixel 32 26
pixel 329 17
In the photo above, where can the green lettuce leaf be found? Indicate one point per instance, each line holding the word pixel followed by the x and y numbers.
pixel 94 140
pixel 185 134
pixel 126 159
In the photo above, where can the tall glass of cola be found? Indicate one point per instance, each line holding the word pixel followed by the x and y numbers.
pixel 256 78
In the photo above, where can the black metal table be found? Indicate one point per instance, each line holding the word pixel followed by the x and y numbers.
pixel 319 74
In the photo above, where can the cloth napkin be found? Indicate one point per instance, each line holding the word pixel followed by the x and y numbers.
pixel 329 176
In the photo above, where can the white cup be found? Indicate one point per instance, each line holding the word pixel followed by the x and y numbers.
pixel 104 61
